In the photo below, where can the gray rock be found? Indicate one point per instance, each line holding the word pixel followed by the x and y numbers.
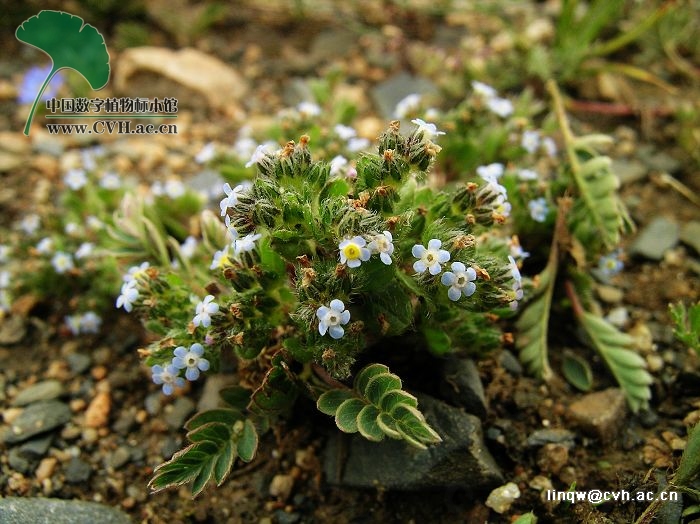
pixel 77 471
pixel 600 414
pixel 36 419
pixel 78 363
pixel 690 235
pixel 628 171
pixel 510 363
pixel 126 421
pixel 46 390
pixel 657 160
pixel 388 93
pixel 461 385
pixel 210 398
pixel 540 437
pixel 37 447
pixel 169 447
pixel 12 330
pixel 656 238
pixel 20 462
pixel 21 510
pixel 460 461
pixel 180 410
pixel 331 44
pixel 282 517
pixel 119 457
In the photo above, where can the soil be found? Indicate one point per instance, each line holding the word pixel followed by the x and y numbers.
pixel 639 457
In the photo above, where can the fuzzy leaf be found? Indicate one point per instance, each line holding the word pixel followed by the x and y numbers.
pixel 367 424
pixel 235 396
pixel 224 462
pixel 247 442
pixel 391 399
pixel 388 425
pixel 689 468
pixel 379 385
pixel 533 323
pixel 346 415
pixel 627 366
pixel 213 431
pixel 367 373
pixel 438 341
pixel 183 467
pixel 577 371
pixel 329 402
pixel 222 415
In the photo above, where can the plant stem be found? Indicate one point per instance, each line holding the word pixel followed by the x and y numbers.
pixel 36 101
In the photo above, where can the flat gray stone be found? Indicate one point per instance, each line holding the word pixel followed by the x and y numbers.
pixel 600 414
pixel 179 412
pixel 46 390
pixel 36 419
pixel 461 385
pixel 22 510
pixel 37 447
pixel 540 437
pixel 78 362
pixel 690 235
pixel 77 471
pixel 628 171
pixel 660 235
pixel 657 160
pixel 460 461
pixel 12 330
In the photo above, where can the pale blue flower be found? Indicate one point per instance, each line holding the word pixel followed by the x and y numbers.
pixel 382 244
pixel 62 262
pixel 338 163
pixel 538 209
pixel 45 246
pixel 73 323
pixel 192 360
pixel 90 322
pixel 407 105
pixel 4 279
pixel 259 154
pixel 430 258
pixel 610 265
pixel 550 146
pixel 207 153
pixel 32 81
pixel 429 130
pixel 244 147
pixel 231 198
pixel 484 90
pixel 308 109
pixel 332 319
pixel 75 179
pixel 136 272
pixel 245 244
pixel 168 377
pixel 110 181
pixel 517 293
pixel 491 172
pixel 30 223
pixel 220 259
pixel 353 251
pixel 204 310
pixel 174 188
pixel 516 250
pixel 501 206
pixel 357 143
pixel 500 106
pixel 72 229
pixel 188 247
pixel 526 175
pixel 85 250
pixel 460 281
pixel 530 141
pixel 344 132
pixel 129 295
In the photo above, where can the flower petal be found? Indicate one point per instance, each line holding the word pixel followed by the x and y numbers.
pixel 443 256
pixel 322 312
pixel 365 254
pixel 322 328
pixel 458 267
pixel 471 273
pixel 434 269
pixel 337 305
pixel 345 317
pixel 385 258
pixel 355 262
pixel 192 374
pixel 469 289
pixel 419 266
pixel 197 349
pixel 448 278
pixel 434 243
pixel 418 251
pixel 454 293
pixel 203 364
pixel 336 332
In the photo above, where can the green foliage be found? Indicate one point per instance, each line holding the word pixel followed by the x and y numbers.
pixel 526 518
pixel 377 407
pixel 689 468
pixel 70 43
pixel 217 437
pixel 627 366
pixel 577 371
pixel 687 320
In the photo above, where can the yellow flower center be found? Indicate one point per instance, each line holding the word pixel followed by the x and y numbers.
pixel 351 251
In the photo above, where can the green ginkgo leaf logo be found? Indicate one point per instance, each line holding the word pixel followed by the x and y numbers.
pixel 71 44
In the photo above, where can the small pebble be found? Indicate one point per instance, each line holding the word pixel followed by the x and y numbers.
pixel 46 468
pixel 98 372
pixel 97 413
pixel 78 363
pixel 77 471
pixel 501 498
pixel 281 486
pixel 90 435
pixel 45 390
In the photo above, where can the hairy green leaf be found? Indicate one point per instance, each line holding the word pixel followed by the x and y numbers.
pixel 367 424
pixel 438 341
pixel 329 401
pixel 387 424
pixel 577 371
pixel 223 415
pixel 237 397
pixel 225 461
pixel 393 398
pixel 380 384
pixel 627 366
pixel 346 415
pixel 367 373
pixel 689 468
pixel 247 442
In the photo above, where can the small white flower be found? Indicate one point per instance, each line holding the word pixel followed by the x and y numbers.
pixel 4 279
pixel 188 247
pixel 168 377
pixel 110 181
pixel 129 295
pixel 460 281
pixel 491 172
pixel 207 153
pixel 549 146
pixel 502 206
pixel 85 250
pixel 332 319
pixel 432 113
pixel 407 105
pixel 231 232
pixel 247 243
pixel 30 224
pixel 526 175
pixel 204 310
pixel 88 158
pixel 501 106
pixel 344 132
pixel 4 253
pixel 72 229
pixel 530 141
pixel 45 246
pixel 517 293
pixel 94 223
pixel 157 188
pixel 308 109
pixel 259 154
pixel 62 262
pixel 430 258
pixel 244 147
pixel 75 179
pixel 353 251
pixel 192 360
pixel 220 259
pixel 90 322
pixel 356 144
pixel 135 272
pixel 610 265
pixel 231 198
pixel 383 244
pixel 538 209
pixel 429 130
pixel 73 323
pixel 174 188
pixel 337 164
pixel 484 90
pixel 516 250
